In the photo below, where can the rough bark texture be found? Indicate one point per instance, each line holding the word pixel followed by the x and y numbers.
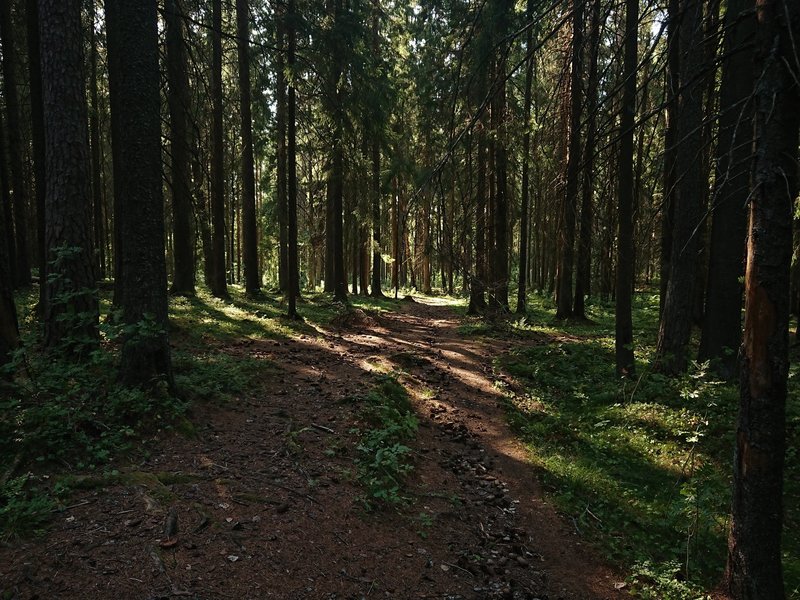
pixel 375 192
pixel 754 546
pixel 670 146
pixel 676 319
pixel 722 326
pixel 178 99
pixel 22 268
pixel 9 329
pixel 98 225
pixel 37 139
pixel 566 237
pixel 623 340
pixel 252 275
pixel 71 314
pixel 219 286
pixel 291 163
pixel 280 158
pixel 522 289
pixel 145 356
pixel 584 259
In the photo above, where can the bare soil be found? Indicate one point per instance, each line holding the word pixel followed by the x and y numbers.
pixel 263 502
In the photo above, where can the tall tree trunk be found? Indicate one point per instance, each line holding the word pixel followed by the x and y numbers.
pixel 252 276
pixel 567 235
pixel 280 156
pixel 754 546
pixel 37 139
pixel 500 207
pixel 71 317
pixel 8 211
pixel 676 319
pixel 94 143
pixel 623 341
pixel 183 283
pixel 9 328
pixel 293 271
pixel 722 327
pixel 375 193
pixel 584 260
pixel 670 146
pixel 219 287
pixel 522 289
pixel 145 356
pixel 22 269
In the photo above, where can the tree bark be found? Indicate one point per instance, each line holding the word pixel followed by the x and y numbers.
pixel 584 259
pixel 293 280
pixel 219 285
pixel 37 140
pixel 71 316
pixel 722 326
pixel 522 288
pixel 252 276
pixel 567 235
pixel 280 157
pixel 178 99
pixel 145 357
pixel 676 319
pixel 670 146
pixel 22 269
pixel 754 547
pixel 623 341
pixel 9 328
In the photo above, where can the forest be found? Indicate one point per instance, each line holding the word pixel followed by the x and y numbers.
pixel 427 299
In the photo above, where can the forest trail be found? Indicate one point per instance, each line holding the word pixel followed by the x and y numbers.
pixel 265 496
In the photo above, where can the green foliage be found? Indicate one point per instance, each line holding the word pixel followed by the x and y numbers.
pixel 383 459
pixel 641 467
pixel 23 508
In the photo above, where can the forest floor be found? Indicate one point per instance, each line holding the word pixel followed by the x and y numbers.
pixel 263 495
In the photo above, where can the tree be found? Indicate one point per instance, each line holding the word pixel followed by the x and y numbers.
pixel 22 269
pixel 133 53
pixel 567 236
pixel 676 319
pixel 722 326
pixel 178 100
pixel 37 138
pixel 584 258
pixel 293 280
pixel 71 311
pixel 219 285
pixel 754 547
pixel 9 328
pixel 522 289
pixel 252 274
pixel 623 340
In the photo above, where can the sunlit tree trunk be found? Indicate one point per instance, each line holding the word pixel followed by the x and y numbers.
pixel 754 546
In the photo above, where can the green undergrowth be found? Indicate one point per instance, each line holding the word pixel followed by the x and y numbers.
pixel 641 467
pixel 61 416
pixel 383 458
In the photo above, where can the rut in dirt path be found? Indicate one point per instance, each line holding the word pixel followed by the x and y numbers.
pixel 267 503
pixel 423 340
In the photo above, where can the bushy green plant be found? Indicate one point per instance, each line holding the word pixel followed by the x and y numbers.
pixel 383 459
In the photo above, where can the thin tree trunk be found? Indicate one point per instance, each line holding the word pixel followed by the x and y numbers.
pixel 584 259
pixel 293 279
pixel 280 152
pixel 183 283
pixel 219 287
pixel 567 235
pixel 252 276
pixel 623 341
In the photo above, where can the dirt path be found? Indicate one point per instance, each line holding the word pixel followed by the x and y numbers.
pixel 265 497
